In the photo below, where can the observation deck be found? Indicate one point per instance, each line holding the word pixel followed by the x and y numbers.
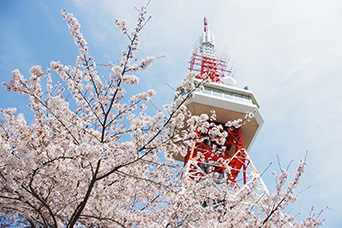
pixel 229 103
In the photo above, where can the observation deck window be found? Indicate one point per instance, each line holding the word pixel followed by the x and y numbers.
pixel 227 95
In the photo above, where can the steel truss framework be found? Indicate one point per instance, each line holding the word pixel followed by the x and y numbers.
pixel 229 164
pixel 214 68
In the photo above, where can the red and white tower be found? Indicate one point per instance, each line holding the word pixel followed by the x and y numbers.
pixel 233 165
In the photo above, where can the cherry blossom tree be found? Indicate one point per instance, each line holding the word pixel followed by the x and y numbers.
pixel 93 156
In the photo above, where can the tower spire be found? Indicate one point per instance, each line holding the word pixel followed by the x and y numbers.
pixel 205 60
pixel 207 44
pixel 205 24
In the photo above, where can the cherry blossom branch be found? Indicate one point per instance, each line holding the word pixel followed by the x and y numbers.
pixel 101 219
pixel 33 193
pixel 75 216
pixel 144 179
pixel 122 112
pixel 289 190
pixel 114 96
pixel 87 101
pixel 145 145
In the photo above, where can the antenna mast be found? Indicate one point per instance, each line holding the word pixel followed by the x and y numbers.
pixel 206 61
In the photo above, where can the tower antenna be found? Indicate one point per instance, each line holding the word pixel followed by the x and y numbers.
pixel 205 24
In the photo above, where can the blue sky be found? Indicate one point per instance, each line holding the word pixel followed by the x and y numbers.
pixel 288 52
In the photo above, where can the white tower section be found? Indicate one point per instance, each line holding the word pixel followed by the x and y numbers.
pixel 207 44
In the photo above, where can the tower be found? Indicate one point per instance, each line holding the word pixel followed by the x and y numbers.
pixel 229 163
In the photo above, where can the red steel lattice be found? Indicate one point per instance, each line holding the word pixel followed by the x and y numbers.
pixel 214 68
pixel 230 164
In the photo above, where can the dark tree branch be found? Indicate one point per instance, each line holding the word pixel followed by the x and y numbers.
pixel 75 216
